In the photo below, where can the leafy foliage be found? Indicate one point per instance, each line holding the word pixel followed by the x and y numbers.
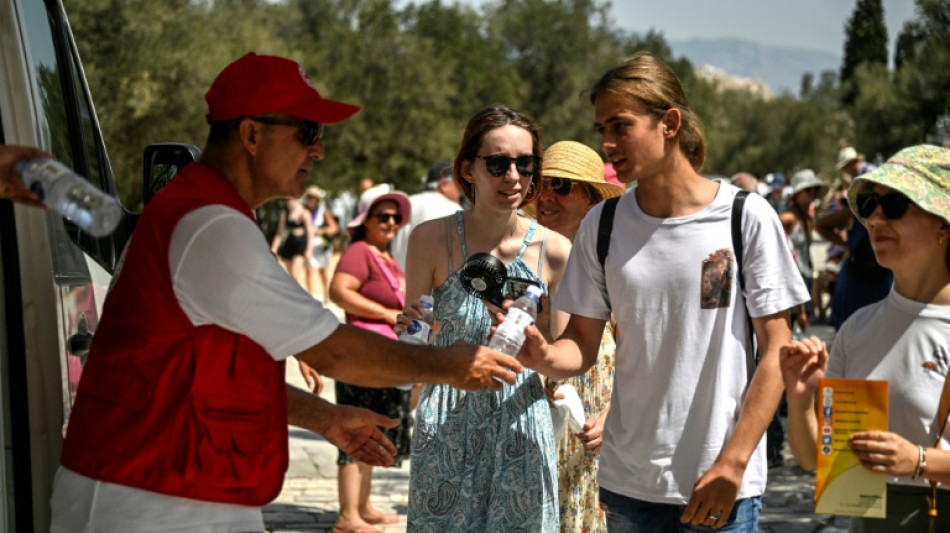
pixel 865 44
pixel 420 71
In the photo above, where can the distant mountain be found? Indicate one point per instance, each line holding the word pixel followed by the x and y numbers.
pixel 781 68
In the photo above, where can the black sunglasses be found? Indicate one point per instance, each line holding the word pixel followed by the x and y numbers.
pixel 559 186
pixel 893 204
pixel 386 217
pixel 498 165
pixel 308 132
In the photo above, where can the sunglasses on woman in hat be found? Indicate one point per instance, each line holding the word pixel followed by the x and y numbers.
pixel 905 205
pixel 572 181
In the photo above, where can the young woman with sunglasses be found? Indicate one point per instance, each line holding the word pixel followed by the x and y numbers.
pixel 903 339
pixel 683 443
pixel 572 182
pixel 485 461
pixel 370 287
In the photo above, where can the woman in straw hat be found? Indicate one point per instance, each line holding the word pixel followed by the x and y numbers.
pixel 905 205
pixel 485 461
pixel 572 182
pixel 683 443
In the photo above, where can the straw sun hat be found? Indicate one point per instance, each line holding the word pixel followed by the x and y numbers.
pixel 576 162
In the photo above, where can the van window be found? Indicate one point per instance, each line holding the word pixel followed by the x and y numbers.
pixel 67 117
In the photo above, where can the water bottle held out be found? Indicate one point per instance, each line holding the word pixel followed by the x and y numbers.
pixel 67 193
pixel 419 329
pixel 509 336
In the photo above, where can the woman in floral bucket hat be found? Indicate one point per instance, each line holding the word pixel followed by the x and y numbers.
pixel 905 205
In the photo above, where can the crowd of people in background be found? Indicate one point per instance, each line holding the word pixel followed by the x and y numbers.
pixel 656 280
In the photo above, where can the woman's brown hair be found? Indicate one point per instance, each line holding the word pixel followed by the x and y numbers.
pixel 478 126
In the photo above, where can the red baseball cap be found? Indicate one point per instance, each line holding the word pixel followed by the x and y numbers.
pixel 257 85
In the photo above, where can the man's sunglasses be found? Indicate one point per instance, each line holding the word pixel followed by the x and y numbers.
pixel 559 186
pixel 498 165
pixel 386 217
pixel 893 204
pixel 308 132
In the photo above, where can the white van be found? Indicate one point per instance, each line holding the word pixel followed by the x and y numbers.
pixel 53 277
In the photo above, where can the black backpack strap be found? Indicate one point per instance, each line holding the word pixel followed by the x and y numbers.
pixel 738 204
pixel 603 234
pixel 606 227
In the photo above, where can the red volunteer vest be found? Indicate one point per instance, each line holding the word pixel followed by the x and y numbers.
pixel 196 412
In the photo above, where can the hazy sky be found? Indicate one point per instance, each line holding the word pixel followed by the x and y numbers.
pixel 811 24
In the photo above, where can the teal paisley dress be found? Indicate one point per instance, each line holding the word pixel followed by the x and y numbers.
pixel 482 461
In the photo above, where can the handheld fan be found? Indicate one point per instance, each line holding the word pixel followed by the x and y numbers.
pixel 484 276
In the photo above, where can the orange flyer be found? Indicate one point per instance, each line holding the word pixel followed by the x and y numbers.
pixel 842 485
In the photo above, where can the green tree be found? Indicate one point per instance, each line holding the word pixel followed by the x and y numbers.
pixel 865 43
pixel 149 62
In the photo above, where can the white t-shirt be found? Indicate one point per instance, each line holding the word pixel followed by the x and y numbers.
pixel 681 351
pixel 427 205
pixel 906 343
pixel 223 273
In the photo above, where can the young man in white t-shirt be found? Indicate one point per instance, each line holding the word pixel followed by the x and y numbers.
pixel 683 441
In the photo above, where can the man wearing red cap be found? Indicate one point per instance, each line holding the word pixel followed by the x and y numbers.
pixel 180 421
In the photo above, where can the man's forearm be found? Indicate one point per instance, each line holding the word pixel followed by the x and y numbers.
pixel 573 353
pixel 565 359
pixel 359 357
pixel 758 409
pixel 307 410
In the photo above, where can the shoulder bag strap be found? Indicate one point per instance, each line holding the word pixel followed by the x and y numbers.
pixel 737 206
pixel 604 230
pixel 943 410
pixel 393 282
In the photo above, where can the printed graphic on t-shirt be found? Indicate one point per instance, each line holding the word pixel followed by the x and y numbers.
pixel 716 284
pixel 939 364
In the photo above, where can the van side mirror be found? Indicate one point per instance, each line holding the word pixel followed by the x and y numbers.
pixel 162 162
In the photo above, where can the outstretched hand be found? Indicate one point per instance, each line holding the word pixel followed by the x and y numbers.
pixel 480 367
pixel 11 184
pixel 534 349
pixel 356 431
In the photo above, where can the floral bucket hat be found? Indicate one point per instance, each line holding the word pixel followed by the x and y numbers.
pixel 922 173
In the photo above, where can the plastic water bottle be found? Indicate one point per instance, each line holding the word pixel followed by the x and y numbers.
pixel 509 336
pixel 420 329
pixel 67 193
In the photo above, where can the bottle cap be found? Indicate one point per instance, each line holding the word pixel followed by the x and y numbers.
pixel 427 300
pixel 533 292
